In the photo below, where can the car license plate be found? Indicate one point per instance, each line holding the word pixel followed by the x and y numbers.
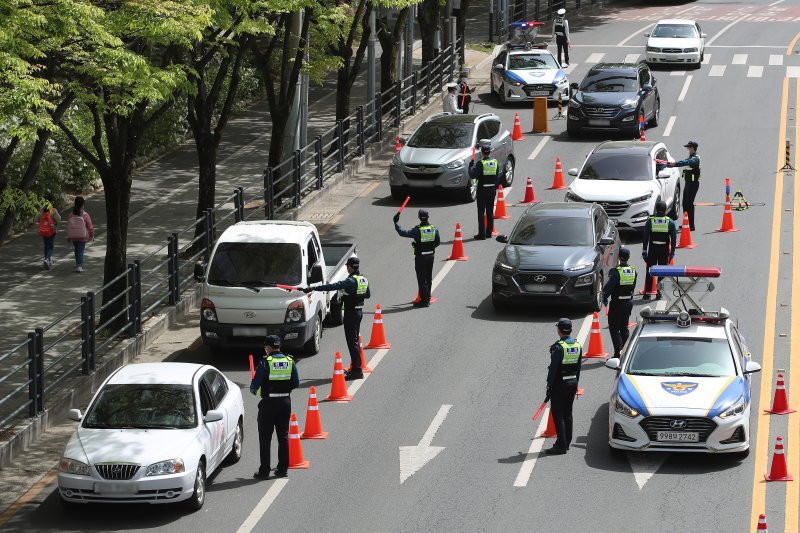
pixel 540 287
pixel 129 487
pixel 539 93
pixel 678 436
pixel 599 122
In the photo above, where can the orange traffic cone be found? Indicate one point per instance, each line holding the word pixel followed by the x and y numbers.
pixel 296 459
pixel 686 234
pixel 364 368
pixel 550 431
pixel 530 194
pixel 641 128
pixel 762 523
pixel 595 350
pixel 780 404
pixel 778 471
pixel 727 217
pixel 397 145
pixel 418 299
pixel 458 247
pixel 516 135
pixel 313 429
pixel 378 339
pixel 338 385
pixel 558 177
pixel 500 205
pixel 495 233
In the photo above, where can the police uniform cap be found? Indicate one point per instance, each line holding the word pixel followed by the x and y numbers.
pixel 561 11
pixel 452 85
pixel 353 261
pixel 565 325
pixel 661 206
pixel 273 341
pixel 485 144
pixel 423 213
pixel 691 144
pixel 624 254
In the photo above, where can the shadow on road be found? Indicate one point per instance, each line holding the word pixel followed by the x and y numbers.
pixel 486 311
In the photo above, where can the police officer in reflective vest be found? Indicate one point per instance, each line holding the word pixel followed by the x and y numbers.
pixel 562 384
pixel 487 172
pixel 426 239
pixel 561 31
pixel 356 290
pixel 658 243
pixel 275 378
pixel 691 179
pixel 619 288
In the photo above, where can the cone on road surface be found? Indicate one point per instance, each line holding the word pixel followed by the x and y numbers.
pixel 296 459
pixel 418 299
pixel 516 135
pixel 778 471
pixel 727 218
pixel 641 128
pixel 364 368
pixel 500 205
pixel 313 429
pixel 495 233
pixel 595 350
pixel 458 247
pixel 397 145
pixel 558 177
pixel 378 339
pixel 762 523
pixel 338 385
pixel 686 233
pixel 780 403
pixel 550 431
pixel 530 194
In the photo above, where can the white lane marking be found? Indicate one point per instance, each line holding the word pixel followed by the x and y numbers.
pixel 684 11
pixel 706 58
pixel 412 458
pixel 634 34
pixel 538 148
pixel 774 3
pixel 583 333
pixel 726 28
pixel 685 88
pixel 754 71
pixel 793 72
pixel 526 469
pixel 678 73
pixel 261 507
pixel 668 129
pixel 595 58
pixel 776 59
pixel 442 273
pixel 645 465
pixel 739 59
pixel 631 58
pixel 717 70
pixel 570 68
pixel 373 363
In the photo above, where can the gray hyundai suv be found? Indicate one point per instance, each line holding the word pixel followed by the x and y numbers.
pixel 437 156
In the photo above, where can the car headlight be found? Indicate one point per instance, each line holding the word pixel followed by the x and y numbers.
pixel 73 466
pixel 689 50
pixel 642 198
pixel 207 310
pixel 456 163
pixel 562 81
pixel 574 104
pixel 294 313
pixel 653 49
pixel 582 266
pixel 624 409
pixel 163 468
pixel 629 104
pixel 736 409
pixel 572 197
pixel 584 280
pixel 504 267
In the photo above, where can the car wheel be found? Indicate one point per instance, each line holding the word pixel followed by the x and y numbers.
pixel 573 131
pixel 502 93
pixel 336 314
pixel 697 65
pixel 313 344
pixel 238 444
pixel 656 114
pixel 397 193
pixel 598 297
pixel 508 178
pixel 198 498
pixel 676 204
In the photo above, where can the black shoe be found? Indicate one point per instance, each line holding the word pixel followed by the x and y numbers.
pixel 691 228
pixel 556 450
pixel 658 296
pixel 479 237
pixel 646 296
pixel 280 474
pixel 261 475
pixel 420 304
pixel 349 376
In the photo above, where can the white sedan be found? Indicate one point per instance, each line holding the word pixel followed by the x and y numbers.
pixel 675 42
pixel 152 434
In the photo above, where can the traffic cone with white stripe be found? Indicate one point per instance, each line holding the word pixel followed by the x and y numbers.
pixel 516 135
pixel 313 429
pixel 530 194
pixel 458 247
pixel 495 233
pixel 686 233
pixel 780 403
pixel 558 177
pixel 338 385
pixel 550 431
pixel 296 459
pixel 641 128
pixel 762 523
pixel 378 339
pixel 727 218
pixel 397 145
pixel 778 471
pixel 500 205
pixel 595 350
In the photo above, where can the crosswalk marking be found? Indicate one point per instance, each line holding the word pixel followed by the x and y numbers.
pixel 793 72
pixel 706 58
pixel 754 71
pixel 678 73
pixel 595 58
pixel 739 59
pixel 570 68
pixel 776 59
pixel 631 58
pixel 717 70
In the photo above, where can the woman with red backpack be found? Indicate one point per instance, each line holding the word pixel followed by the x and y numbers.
pixel 48 220
pixel 79 231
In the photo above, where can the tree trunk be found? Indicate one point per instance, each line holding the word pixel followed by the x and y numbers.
pixel 461 25
pixel 207 174
pixel 428 19
pixel 117 192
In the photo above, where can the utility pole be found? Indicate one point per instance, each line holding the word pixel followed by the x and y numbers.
pixel 292 135
pixel 409 30
pixel 371 60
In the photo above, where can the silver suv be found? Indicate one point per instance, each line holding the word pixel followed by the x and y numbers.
pixel 437 156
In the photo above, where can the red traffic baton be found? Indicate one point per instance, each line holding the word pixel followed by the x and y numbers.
pixel 404 204
pixel 287 287
pixel 252 368
pixel 539 411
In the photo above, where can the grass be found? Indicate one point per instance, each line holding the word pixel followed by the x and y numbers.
pixel 483 46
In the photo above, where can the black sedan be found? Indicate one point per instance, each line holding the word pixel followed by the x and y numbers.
pixel 558 253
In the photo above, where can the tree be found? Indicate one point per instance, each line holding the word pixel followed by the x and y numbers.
pixel 429 22
pixel 389 37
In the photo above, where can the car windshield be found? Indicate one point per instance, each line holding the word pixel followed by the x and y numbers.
pixel 442 136
pixel 679 356
pixel 553 231
pixel 617 167
pixel 255 264
pixel 531 62
pixel 675 31
pixel 611 82
pixel 139 406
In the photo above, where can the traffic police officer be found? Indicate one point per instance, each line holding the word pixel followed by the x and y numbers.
pixel 356 290
pixel 561 31
pixel 426 239
pixel 619 288
pixel 464 96
pixel 691 179
pixel 487 172
pixel 275 378
pixel 449 100
pixel 658 243
pixel 562 384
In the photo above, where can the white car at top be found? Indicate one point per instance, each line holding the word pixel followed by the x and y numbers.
pixel 153 433
pixel 521 74
pixel 675 42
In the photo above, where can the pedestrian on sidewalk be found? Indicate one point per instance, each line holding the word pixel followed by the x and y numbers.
pixel 562 384
pixel 449 100
pixel 426 239
pixel 48 221
pixel 80 230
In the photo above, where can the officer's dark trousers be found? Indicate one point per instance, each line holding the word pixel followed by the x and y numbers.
pixel 657 254
pixel 690 189
pixel 423 265
pixel 352 328
pixel 274 414
pixel 561 397
pixel 486 208
pixel 562 44
pixel 619 313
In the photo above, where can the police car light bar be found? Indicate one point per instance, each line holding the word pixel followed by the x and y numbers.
pixel 527 24
pixel 680 271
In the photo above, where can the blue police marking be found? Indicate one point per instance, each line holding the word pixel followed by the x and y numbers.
pixel 280 365
pixel 678 388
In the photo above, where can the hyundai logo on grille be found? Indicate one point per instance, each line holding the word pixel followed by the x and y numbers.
pixel 604 205
pixel 677 424
pixel 249 314
pixel 540 278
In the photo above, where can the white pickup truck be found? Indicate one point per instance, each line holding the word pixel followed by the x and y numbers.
pixel 240 301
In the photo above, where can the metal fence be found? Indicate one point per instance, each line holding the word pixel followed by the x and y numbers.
pixel 71 345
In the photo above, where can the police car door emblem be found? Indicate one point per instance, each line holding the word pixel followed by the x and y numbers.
pixel 540 278
pixel 678 388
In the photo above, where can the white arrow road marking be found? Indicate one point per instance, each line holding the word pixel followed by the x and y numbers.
pixel 262 506
pixel 644 465
pixel 534 451
pixel 412 458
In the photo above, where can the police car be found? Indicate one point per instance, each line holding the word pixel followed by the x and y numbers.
pixel 683 382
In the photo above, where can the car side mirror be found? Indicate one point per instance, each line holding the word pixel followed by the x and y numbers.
pixel 573 86
pixel 499 66
pixel 572 172
pixel 703 35
pixel 663 174
pixel 752 367
pixel 647 35
pixel 315 275
pixel 199 272
pixel 613 363
pixel 605 241
pixel 647 87
pixel 75 414
pixel 213 416
pixel 502 238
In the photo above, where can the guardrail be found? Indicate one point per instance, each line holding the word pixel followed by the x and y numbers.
pixel 71 345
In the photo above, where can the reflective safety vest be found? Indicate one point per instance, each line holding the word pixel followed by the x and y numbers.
pixel 692 174
pixel 559 26
pixel 570 361
pixel 490 168
pixel 427 237
pixel 278 382
pixel 627 279
pixel 356 301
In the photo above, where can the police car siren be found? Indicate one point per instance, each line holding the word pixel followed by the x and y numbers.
pixel 523 35
pixel 686 280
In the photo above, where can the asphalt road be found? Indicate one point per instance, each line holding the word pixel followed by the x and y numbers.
pixel 490 368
